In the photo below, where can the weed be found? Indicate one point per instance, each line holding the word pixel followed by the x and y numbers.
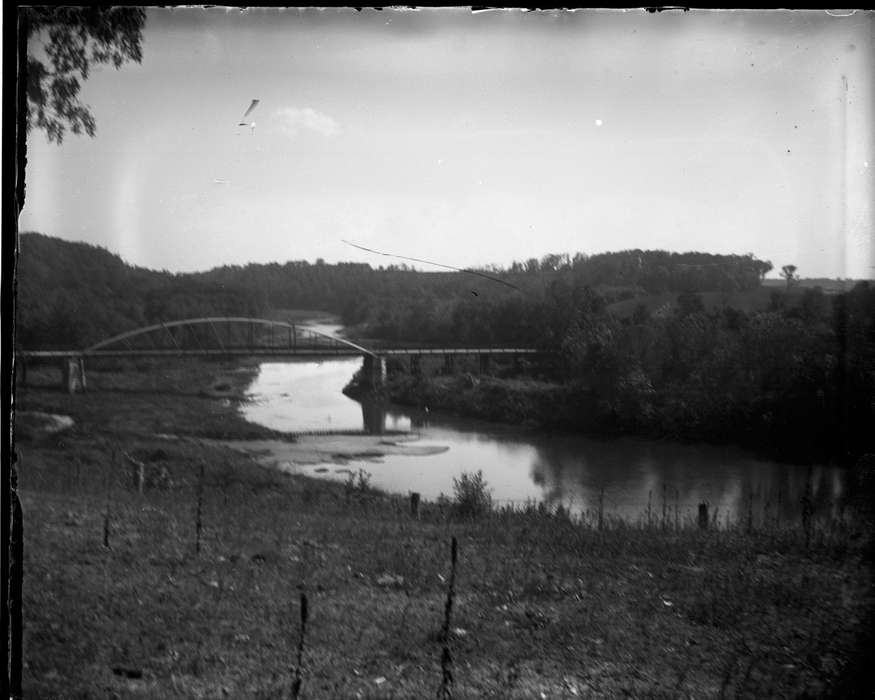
pixel 472 496
pixel 357 482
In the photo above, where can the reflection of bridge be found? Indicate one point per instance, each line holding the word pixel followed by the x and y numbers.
pixel 245 337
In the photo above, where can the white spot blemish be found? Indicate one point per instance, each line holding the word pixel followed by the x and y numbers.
pixel 598 122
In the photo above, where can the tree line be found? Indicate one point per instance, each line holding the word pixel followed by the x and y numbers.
pixel 74 294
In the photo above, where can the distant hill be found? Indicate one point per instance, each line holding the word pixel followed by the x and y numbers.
pixel 72 295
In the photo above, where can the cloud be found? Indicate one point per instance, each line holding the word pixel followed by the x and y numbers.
pixel 293 119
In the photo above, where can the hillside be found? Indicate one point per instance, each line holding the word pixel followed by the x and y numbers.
pixel 74 294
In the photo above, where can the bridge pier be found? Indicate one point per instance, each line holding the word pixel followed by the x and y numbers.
pixel 73 373
pixel 416 365
pixel 375 370
pixel 373 417
pixel 449 364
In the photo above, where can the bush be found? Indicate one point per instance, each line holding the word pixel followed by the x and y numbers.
pixel 358 482
pixel 472 496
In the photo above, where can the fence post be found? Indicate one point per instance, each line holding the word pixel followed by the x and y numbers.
pixel 445 691
pixel 109 472
pixel 414 504
pixel 200 501
pixel 298 681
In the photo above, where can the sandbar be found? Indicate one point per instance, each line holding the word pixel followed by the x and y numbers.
pixel 332 449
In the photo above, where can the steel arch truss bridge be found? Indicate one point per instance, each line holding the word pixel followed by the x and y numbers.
pixel 226 336
pixel 248 337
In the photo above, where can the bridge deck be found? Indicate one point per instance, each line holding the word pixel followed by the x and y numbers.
pixel 272 352
pixel 246 337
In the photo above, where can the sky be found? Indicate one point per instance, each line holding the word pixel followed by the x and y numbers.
pixel 471 139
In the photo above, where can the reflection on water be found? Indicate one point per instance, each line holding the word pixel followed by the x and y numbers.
pixel 305 396
pixel 630 474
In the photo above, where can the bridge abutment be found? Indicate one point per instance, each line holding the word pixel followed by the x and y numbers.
pixel 21 371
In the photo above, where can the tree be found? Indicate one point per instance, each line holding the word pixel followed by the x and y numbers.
pixel 764 267
pixel 788 272
pixel 47 89
pixel 690 303
pixel 73 39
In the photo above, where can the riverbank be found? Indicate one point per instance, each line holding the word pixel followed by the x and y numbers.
pixel 198 594
pixel 552 406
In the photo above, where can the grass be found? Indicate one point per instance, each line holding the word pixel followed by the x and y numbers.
pixel 544 605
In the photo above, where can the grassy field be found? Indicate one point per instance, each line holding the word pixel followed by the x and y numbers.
pixel 543 607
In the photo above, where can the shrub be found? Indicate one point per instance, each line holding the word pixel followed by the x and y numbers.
pixel 358 482
pixel 472 496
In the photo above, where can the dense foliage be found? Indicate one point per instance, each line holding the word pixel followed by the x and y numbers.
pixel 70 41
pixel 71 295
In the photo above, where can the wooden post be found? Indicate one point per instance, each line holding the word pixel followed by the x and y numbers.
pixel 445 692
pixel 414 504
pixel 138 472
pixel 200 501
pixel 108 500
pixel 298 679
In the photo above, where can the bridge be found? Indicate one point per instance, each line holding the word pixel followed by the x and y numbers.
pixel 247 337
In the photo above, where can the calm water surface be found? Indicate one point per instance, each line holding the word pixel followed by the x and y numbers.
pixel 522 466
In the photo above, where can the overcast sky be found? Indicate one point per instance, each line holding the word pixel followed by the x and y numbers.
pixel 474 138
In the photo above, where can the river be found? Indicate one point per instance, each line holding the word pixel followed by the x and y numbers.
pixel 633 476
